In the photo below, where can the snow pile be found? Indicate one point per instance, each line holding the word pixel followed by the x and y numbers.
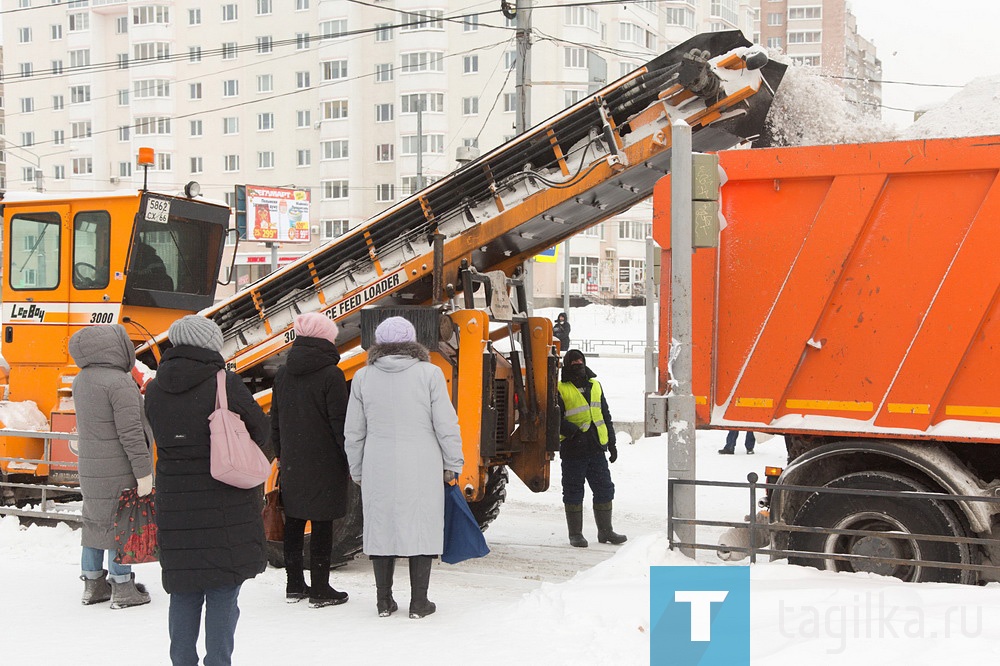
pixel 811 110
pixel 22 416
pixel 973 111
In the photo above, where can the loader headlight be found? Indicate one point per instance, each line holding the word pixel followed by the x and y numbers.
pixel 192 190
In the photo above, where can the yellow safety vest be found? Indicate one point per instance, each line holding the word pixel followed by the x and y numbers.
pixel 581 414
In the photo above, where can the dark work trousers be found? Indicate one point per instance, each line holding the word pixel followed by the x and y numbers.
pixel 184 623
pixel 733 435
pixel 593 469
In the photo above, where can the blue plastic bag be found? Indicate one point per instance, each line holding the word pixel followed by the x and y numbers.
pixel 463 540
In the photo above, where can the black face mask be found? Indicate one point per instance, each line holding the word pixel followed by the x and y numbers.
pixel 576 374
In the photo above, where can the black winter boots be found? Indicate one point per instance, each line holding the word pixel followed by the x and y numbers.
pixel 384 568
pixel 420 577
pixel 574 521
pixel 605 533
pixel 295 582
pixel 320 592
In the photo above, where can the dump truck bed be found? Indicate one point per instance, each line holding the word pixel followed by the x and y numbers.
pixel 854 292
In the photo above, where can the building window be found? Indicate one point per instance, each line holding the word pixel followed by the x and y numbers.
pixel 423 61
pixel 383 32
pixel 83 166
pixel 301 80
pixel 334 109
pixel 585 17
pixel 59 172
pixel 630 32
pixel 383 113
pixel 431 144
pixel 334 70
pixel 303 119
pixel 147 125
pixel 59 137
pixel 383 72
pixel 229 13
pixel 509 102
pixel 575 57
pixel 807 60
pixel 470 142
pixel 151 51
pixel 303 157
pixel 148 88
pixel 229 50
pixel 385 152
pixel 265 159
pixel 55 31
pixel 79 94
pixel 301 41
pixel 122 60
pixel 58 102
pixel 333 228
pixel 27 104
pixel 265 83
pixel 196 128
pixel 151 15
pixel 26 69
pixel 121 25
pixel 194 16
pixel 634 229
pixel 680 16
pixel 775 42
pixel 334 150
pixel 332 29
pixel 79 22
pixel 726 10
pixel 301 5
pixel 123 96
pixel 230 88
pixel 385 192
pixel 805 37
pixel 571 97
pixel 124 133
pixel 470 23
pixel 631 276
pixel 195 90
pixel 194 54
pixel 230 163
pixel 265 122
pixel 164 162
pixel 57 66
pixel 231 125
pixel 335 189
pixel 197 165
pixel 411 184
pixel 799 13
pixel 264 7
pixel 265 44
pixel 27 139
pixel 24 35
pixel 428 19
pixel 470 106
pixel 427 102
pixel 470 64
pixel 80 129
pixel 509 60
pixel 774 18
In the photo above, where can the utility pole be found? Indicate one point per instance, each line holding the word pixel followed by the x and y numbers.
pixel 420 143
pixel 522 88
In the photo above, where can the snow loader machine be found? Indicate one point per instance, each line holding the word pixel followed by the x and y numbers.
pixel 852 305
pixel 449 257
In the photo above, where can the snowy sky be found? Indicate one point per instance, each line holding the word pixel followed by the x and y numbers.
pixel 935 43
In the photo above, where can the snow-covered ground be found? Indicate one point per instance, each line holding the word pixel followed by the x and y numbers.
pixel 534 599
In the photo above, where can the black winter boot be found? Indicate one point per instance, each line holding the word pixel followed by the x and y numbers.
pixel 384 568
pixel 605 533
pixel 420 578
pixel 574 521
pixel 320 592
pixel 295 581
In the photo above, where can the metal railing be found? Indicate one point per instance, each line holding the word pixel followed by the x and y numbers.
pixel 762 531
pixel 597 346
pixel 45 490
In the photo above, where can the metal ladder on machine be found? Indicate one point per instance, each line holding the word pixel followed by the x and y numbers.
pixel 583 165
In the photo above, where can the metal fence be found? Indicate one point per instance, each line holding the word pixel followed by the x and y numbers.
pixel 623 347
pixel 762 532
pixel 46 492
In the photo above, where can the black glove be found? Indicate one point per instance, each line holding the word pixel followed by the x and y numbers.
pixel 613 450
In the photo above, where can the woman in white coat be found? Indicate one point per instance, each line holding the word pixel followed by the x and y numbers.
pixel 401 438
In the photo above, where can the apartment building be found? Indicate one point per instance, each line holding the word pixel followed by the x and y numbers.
pixel 823 34
pixel 324 95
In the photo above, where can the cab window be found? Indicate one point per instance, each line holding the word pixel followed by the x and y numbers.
pixel 34 251
pixel 91 250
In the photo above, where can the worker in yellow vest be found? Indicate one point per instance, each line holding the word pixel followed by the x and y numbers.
pixel 586 433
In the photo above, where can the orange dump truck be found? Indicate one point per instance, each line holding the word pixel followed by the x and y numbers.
pixel 853 306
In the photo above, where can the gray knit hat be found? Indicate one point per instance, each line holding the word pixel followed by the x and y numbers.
pixel 395 329
pixel 196 331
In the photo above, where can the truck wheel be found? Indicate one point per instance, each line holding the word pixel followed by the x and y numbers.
pixel 883 514
pixel 487 509
pixel 347 533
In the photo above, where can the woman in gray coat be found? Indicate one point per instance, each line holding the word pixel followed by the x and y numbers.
pixel 114 455
pixel 403 442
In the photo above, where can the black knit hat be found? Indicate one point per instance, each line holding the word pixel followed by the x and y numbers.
pixel 572 356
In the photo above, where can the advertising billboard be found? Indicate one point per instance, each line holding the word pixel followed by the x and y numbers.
pixel 277 214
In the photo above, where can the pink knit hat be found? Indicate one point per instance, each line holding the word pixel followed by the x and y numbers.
pixel 316 325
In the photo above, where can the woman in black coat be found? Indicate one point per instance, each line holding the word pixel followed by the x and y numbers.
pixel 308 407
pixel 211 534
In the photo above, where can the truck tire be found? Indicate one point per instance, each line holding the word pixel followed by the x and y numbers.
pixel 883 514
pixel 487 509
pixel 347 533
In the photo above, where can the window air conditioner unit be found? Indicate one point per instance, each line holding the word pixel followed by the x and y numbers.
pixel 115 180
pixel 314 229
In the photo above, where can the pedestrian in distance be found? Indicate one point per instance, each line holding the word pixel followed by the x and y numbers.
pixel 586 434
pixel 731 437
pixel 560 330
pixel 211 534
pixel 114 456
pixel 402 438
pixel 307 432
